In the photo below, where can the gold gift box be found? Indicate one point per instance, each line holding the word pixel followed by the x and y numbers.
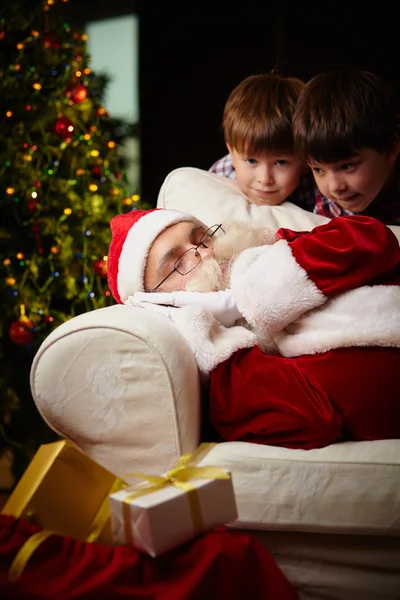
pixel 67 492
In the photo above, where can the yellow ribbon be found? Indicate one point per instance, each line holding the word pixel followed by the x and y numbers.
pixel 178 476
pixel 103 514
pixel 28 548
pixel 25 552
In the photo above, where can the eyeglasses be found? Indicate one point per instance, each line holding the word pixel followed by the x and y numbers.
pixel 191 258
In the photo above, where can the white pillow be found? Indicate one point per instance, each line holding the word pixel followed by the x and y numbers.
pixel 215 199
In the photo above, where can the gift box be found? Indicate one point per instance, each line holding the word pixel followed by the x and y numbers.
pixel 65 491
pixel 171 509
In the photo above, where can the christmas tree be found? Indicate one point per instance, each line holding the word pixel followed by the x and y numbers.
pixel 62 180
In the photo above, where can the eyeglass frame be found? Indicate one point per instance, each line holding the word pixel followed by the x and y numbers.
pixel 195 248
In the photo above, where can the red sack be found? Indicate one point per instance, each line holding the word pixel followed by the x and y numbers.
pixel 221 564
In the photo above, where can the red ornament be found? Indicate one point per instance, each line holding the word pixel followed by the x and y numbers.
pixel 51 41
pixel 64 127
pixel 77 93
pixel 96 172
pixel 20 332
pixel 100 267
pixel 32 205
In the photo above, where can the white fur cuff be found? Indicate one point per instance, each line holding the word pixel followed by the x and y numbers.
pixel 210 342
pixel 271 288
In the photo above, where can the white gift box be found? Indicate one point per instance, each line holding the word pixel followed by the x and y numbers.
pixel 163 519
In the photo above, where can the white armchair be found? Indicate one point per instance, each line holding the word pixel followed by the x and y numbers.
pixel 123 385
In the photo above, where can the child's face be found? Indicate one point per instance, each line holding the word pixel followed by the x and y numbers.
pixel 355 182
pixel 267 179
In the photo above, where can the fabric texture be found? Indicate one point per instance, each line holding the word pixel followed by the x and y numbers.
pixel 221 564
pixel 132 236
pixel 90 381
pixel 308 401
pixel 346 488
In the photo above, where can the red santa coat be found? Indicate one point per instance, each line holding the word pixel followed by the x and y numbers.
pixel 330 299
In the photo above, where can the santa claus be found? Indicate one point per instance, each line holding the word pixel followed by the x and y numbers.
pixel 298 332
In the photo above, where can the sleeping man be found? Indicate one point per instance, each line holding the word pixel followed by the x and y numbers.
pixel 298 333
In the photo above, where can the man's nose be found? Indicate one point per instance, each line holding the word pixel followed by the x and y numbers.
pixel 206 252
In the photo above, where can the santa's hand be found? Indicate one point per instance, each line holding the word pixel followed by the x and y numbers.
pixel 221 305
pixel 167 311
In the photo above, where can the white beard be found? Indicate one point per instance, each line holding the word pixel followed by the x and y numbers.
pixel 214 273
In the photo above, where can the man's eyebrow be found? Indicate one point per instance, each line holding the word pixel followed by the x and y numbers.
pixel 174 251
pixel 194 230
pixel 166 258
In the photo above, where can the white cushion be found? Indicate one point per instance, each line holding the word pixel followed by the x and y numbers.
pixel 352 487
pixel 215 199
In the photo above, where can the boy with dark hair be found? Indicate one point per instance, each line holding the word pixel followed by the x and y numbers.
pixel 345 128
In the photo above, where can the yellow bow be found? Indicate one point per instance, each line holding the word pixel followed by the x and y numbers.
pixel 178 476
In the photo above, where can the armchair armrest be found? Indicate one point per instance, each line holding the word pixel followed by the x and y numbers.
pixel 123 385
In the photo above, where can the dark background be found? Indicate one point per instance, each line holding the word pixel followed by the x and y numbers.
pixel 191 58
pixel 192 54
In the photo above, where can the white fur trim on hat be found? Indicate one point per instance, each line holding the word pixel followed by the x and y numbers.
pixel 138 241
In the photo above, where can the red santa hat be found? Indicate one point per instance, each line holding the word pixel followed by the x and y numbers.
pixel 132 236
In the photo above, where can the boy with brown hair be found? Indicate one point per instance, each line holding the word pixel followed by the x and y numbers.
pixel 345 128
pixel 257 126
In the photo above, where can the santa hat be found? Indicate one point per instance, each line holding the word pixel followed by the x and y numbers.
pixel 132 236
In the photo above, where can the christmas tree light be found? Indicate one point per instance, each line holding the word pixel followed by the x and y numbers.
pixel 62 179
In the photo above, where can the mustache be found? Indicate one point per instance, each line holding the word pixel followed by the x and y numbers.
pixel 210 276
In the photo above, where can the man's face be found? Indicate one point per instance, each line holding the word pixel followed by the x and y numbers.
pixel 355 182
pixel 168 246
pixel 267 179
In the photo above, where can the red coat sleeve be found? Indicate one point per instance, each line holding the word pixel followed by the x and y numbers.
pixel 346 253
pixel 274 285
pixel 267 399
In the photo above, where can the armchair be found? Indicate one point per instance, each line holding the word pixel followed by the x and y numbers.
pixel 123 385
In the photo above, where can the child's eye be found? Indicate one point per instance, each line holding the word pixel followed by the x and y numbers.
pixel 251 161
pixel 348 167
pixel 316 170
pixel 282 162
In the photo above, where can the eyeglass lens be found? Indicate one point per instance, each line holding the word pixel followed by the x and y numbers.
pixel 191 258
